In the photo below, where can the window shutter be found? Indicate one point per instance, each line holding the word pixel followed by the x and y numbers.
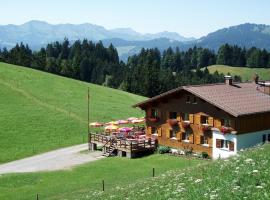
pixel 191 118
pixel 231 146
pixel 211 121
pixel 218 143
pixel 168 134
pixel 159 132
pixel 197 119
pixel 179 136
pixel 149 130
pixel 217 123
pixel 191 138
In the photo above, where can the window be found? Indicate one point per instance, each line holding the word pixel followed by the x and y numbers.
pixel 194 100
pixel 188 99
pixel 225 144
pixel 185 136
pixel 173 115
pixel 264 138
pixel 204 140
pixel 172 134
pixel 226 122
pixel 204 120
pixel 186 117
pixel 268 137
pixel 153 130
pixel 154 113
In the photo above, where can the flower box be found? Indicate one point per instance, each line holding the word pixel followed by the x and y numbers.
pixel 206 127
pixel 185 124
pixel 172 122
pixel 224 129
pixel 153 119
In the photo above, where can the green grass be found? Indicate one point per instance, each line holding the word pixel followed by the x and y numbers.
pixel 41 111
pixel 116 172
pixel 245 72
pixel 240 177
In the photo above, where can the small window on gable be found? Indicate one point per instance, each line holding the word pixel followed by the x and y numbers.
pixel 194 100
pixel 173 115
pixel 188 99
pixel 154 112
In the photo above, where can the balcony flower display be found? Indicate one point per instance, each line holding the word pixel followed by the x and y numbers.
pixel 172 122
pixel 185 124
pixel 153 119
pixel 225 129
pixel 206 127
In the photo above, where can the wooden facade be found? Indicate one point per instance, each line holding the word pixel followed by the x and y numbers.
pixel 185 121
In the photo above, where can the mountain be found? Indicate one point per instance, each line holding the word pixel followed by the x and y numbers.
pixel 244 35
pixel 39 33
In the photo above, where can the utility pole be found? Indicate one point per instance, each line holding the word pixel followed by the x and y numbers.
pixel 88 108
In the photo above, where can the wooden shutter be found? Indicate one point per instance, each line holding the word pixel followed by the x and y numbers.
pixel 217 123
pixel 191 118
pixel 179 136
pixel 211 121
pixel 149 130
pixel 231 146
pixel 191 138
pixel 218 143
pixel 197 119
pixel 168 134
pixel 159 132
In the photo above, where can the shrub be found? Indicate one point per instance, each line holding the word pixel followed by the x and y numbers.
pixel 163 149
pixel 204 155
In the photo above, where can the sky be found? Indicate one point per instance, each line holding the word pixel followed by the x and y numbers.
pixel 190 18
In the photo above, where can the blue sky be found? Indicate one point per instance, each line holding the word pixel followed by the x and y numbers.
pixel 187 17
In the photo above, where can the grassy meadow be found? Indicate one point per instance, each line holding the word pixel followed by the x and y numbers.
pixel 245 72
pixel 245 176
pixel 41 111
pixel 87 178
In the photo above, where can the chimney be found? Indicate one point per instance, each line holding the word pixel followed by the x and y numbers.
pixel 228 80
pixel 256 78
pixel 262 86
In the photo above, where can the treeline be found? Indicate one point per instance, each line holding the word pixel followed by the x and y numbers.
pixel 148 73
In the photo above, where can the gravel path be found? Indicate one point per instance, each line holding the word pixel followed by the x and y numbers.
pixel 64 158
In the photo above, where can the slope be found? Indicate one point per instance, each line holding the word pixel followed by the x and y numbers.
pixel 41 111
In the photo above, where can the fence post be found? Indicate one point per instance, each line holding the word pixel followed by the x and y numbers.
pixel 103 186
pixel 153 172
pixel 37 197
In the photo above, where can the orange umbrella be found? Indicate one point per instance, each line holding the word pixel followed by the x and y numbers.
pixel 111 128
pixel 96 124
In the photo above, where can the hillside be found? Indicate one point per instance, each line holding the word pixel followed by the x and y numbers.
pixel 41 111
pixel 245 72
pixel 240 177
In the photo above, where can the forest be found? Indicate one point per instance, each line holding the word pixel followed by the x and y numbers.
pixel 148 73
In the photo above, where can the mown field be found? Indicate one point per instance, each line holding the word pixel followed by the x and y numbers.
pixel 87 179
pixel 241 177
pixel 244 72
pixel 41 111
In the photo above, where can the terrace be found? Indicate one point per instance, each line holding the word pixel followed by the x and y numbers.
pixel 127 142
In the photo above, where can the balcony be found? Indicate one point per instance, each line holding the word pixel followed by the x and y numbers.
pixel 205 127
pixel 185 124
pixel 225 129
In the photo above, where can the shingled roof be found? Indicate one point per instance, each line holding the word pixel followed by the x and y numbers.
pixel 237 99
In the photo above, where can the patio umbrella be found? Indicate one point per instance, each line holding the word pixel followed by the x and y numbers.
pixel 125 129
pixel 137 121
pixel 111 128
pixel 132 118
pixel 121 121
pixel 112 123
pixel 96 124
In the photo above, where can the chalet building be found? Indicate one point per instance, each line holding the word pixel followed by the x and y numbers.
pixel 219 119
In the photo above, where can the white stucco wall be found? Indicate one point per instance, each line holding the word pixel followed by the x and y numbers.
pixel 241 141
pixel 223 153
